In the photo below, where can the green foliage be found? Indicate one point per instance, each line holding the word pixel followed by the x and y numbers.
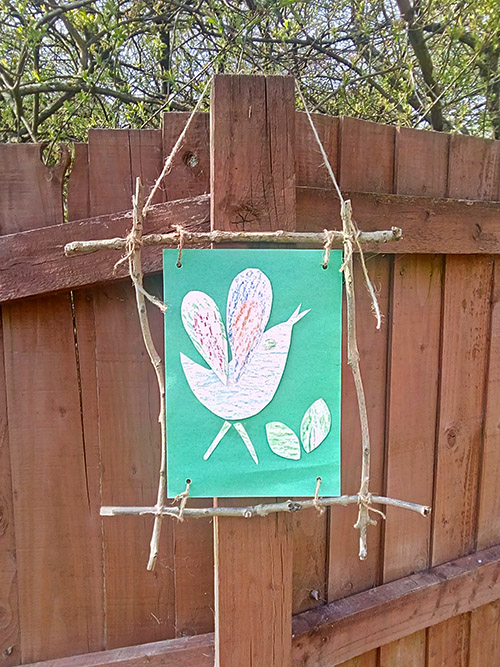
pixel 120 63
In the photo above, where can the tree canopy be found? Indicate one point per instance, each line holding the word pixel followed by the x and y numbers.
pixel 65 67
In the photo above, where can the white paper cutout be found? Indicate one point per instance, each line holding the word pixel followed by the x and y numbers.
pixel 315 425
pixel 258 356
pixel 224 429
pixel 248 308
pixel 203 322
pixel 248 443
pixel 283 441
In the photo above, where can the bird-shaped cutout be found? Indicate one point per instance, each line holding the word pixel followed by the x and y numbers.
pixel 243 387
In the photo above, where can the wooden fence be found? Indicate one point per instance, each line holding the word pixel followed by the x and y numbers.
pixel 79 404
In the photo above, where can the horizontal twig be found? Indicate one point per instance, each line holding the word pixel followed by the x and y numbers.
pixel 279 236
pixel 261 509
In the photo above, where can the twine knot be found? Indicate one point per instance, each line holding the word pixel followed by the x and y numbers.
pixel 183 497
pixel 365 502
pixel 133 242
pixel 180 231
pixel 318 507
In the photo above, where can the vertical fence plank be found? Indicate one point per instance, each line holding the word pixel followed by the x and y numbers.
pixel 465 332
pixel 253 186
pixel 78 184
pixel 482 159
pixel 110 171
pixel 31 192
pixel 366 163
pixel 146 159
pixel 58 548
pixel 485 635
pixel 190 173
pixel 368 659
pixel 124 403
pixel 193 540
pixel 10 648
pixel 57 528
pixel 488 530
pixel 421 167
pixel 310 565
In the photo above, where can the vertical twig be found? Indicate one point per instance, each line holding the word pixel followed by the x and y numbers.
pixel 364 520
pixel 135 266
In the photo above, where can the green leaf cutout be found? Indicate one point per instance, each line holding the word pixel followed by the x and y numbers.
pixel 315 425
pixel 283 441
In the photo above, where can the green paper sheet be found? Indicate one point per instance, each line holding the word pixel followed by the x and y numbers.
pixel 253 368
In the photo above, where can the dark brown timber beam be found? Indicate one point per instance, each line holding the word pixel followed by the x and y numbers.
pixel 336 632
pixel 33 262
pixel 447 226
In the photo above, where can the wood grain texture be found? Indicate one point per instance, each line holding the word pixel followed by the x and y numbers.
pixel 366 156
pixel 421 167
pixel 78 202
pixel 475 173
pixel 485 635
pixel 421 163
pixel 254 140
pixel 56 517
pixel 187 652
pixel 190 173
pixel 333 634
pixel 429 225
pixel 366 660
pixel 310 567
pixel 146 160
pixel 110 171
pixel 448 643
pixel 372 170
pixel 347 574
pixel 488 528
pixel 409 651
pixel 57 524
pixel 413 391
pixel 474 168
pixel 140 605
pixel 252 174
pixel 342 630
pixel 33 262
pixel 10 649
pixel 465 334
pixel 309 165
pixel 192 540
pixel 31 191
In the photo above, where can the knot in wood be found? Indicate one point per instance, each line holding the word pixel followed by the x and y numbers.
pixel 247 217
pixel 451 436
pixel 293 507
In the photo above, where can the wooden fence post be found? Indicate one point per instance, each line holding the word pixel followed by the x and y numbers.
pixel 252 123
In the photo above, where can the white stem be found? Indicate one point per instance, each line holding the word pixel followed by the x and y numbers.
pixel 246 439
pixel 224 429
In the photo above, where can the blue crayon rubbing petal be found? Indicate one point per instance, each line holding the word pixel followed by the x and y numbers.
pixel 315 425
pixel 283 441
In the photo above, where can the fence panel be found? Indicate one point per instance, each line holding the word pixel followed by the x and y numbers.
pixel 79 404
